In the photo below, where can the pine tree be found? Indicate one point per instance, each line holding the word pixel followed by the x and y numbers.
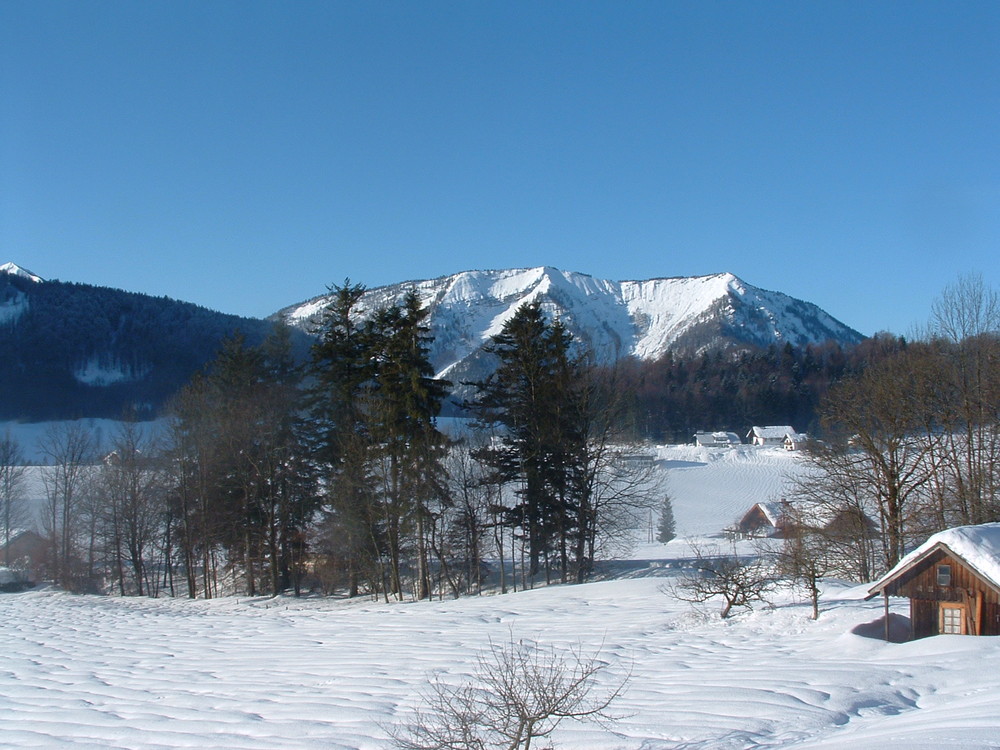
pixel 667 528
pixel 240 487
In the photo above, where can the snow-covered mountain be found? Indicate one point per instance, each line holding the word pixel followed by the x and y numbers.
pixel 15 270
pixel 644 319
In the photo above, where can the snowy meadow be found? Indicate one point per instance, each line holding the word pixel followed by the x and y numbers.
pixel 265 673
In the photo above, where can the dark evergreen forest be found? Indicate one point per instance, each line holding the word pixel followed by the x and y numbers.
pixel 674 397
pixel 54 329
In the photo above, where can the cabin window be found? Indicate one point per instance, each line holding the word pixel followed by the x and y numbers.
pixel 952 620
pixel 944 575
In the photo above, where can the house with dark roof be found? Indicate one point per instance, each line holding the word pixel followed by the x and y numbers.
pixel 952 581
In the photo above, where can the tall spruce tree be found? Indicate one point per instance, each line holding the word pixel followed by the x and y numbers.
pixel 534 398
pixel 410 446
pixel 342 373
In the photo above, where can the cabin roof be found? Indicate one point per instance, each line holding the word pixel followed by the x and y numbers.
pixel 977 546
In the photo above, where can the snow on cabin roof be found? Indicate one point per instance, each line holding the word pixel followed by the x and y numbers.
pixel 978 546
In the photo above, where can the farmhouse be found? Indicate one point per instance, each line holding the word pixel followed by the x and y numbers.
pixel 774 435
pixel 716 439
pixel 952 581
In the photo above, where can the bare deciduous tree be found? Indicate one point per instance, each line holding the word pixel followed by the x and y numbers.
pixel 520 692
pixel 12 477
pixel 740 581
pixel 887 444
pixel 69 448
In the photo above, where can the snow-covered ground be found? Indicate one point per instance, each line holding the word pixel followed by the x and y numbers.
pixel 92 672
pixel 89 672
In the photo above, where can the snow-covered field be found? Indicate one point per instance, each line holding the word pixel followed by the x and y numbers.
pixel 90 672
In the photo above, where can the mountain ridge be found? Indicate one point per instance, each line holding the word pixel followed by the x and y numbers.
pixel 639 318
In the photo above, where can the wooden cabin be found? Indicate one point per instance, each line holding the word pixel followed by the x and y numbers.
pixel 952 581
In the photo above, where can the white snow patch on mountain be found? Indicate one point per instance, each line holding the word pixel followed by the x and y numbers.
pixel 100 371
pixel 13 308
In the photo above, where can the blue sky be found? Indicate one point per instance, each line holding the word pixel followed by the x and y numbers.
pixel 245 155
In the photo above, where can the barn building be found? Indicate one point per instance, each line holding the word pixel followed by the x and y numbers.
pixel 952 581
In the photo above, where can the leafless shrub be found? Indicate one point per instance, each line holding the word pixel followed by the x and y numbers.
pixel 519 692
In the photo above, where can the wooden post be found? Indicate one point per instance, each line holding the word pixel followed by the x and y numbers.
pixel 885 598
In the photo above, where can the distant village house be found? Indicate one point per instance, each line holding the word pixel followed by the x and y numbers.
pixel 716 439
pixel 777 435
pixel 795 441
pixel 762 520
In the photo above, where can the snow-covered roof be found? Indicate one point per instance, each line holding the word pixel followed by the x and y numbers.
pixel 773 432
pixel 978 546
pixel 773 512
pixel 717 438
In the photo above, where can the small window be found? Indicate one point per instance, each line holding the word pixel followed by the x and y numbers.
pixel 952 620
pixel 944 575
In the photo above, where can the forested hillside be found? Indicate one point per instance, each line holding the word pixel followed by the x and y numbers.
pixel 75 350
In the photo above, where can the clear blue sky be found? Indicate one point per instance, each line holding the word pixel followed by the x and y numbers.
pixel 243 155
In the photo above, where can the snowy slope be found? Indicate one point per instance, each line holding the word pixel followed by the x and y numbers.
pixel 615 319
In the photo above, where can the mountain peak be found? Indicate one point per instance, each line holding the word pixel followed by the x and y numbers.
pixel 15 270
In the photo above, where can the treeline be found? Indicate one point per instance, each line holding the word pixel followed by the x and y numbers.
pixel 53 331
pixel 336 476
pixel 673 397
